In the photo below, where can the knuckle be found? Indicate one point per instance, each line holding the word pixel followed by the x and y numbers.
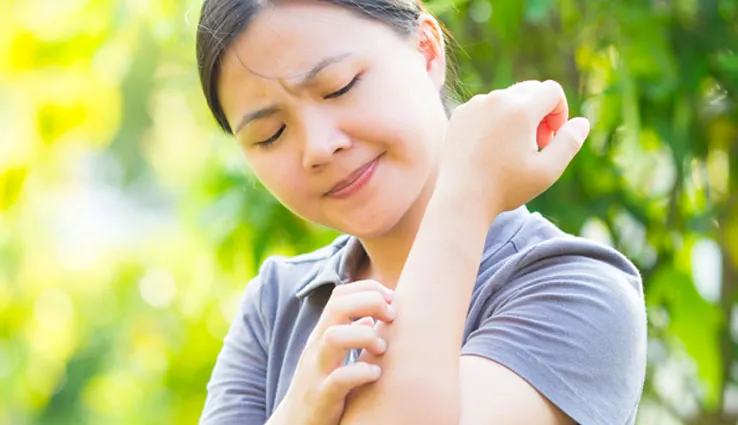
pixel 517 110
pixel 338 310
pixel 366 334
pixel 337 383
pixel 476 101
pixel 334 308
pixel 338 290
pixel 553 84
pixel 373 285
pixel 376 299
pixel 360 286
pixel 555 89
pixel 331 336
pixel 495 97
pixel 477 98
pixel 523 87
pixel 330 386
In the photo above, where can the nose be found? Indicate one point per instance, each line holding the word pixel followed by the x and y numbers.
pixel 321 141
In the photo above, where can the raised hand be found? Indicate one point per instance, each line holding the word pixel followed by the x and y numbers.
pixel 500 150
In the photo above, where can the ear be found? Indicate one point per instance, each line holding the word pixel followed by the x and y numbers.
pixel 430 43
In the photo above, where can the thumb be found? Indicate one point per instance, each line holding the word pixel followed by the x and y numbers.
pixel 557 155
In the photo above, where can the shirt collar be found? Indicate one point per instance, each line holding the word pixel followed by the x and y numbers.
pixel 341 266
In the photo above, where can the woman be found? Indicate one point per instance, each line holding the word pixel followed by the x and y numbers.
pixel 449 303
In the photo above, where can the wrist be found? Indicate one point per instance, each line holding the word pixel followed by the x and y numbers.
pixel 455 195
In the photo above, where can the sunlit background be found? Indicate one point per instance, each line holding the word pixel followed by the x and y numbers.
pixel 129 225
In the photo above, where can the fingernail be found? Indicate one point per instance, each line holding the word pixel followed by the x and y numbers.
pixel 376 370
pixel 390 294
pixel 382 345
pixel 391 312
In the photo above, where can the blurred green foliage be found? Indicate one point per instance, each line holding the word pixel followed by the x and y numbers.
pixel 129 225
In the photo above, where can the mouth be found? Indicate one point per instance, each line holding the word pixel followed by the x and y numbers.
pixel 354 181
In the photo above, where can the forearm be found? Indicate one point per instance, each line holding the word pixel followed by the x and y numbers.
pixel 420 379
pixel 289 413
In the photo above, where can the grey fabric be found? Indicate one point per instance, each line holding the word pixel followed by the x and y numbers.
pixel 565 314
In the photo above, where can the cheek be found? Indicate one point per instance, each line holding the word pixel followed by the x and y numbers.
pixel 406 125
pixel 408 104
pixel 385 114
pixel 281 177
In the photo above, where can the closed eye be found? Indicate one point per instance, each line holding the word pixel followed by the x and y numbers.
pixel 344 90
pixel 269 141
pixel 339 93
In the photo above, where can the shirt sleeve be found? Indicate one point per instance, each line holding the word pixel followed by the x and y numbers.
pixel 574 327
pixel 237 387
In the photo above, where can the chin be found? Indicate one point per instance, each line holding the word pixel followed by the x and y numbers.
pixel 368 231
pixel 371 222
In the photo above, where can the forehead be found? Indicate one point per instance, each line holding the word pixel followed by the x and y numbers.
pixel 284 41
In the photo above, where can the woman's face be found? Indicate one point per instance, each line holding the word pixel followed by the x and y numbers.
pixel 319 99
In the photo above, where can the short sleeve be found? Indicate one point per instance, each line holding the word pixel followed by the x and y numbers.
pixel 574 327
pixel 237 387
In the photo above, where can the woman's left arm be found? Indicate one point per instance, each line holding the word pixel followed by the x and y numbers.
pixel 424 379
pixel 491 164
pixel 420 383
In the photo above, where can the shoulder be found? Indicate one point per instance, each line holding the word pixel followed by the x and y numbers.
pixel 566 314
pixel 587 294
pixel 547 252
pixel 541 262
pixel 602 287
pixel 539 249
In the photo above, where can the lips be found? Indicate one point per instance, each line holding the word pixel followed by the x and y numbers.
pixel 354 180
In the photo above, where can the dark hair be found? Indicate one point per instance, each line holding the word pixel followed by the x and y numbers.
pixel 221 21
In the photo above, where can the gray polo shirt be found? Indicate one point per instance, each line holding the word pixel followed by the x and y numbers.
pixel 564 313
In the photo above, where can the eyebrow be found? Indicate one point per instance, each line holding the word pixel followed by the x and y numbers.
pixel 307 80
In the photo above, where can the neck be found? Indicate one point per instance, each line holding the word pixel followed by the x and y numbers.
pixel 387 253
